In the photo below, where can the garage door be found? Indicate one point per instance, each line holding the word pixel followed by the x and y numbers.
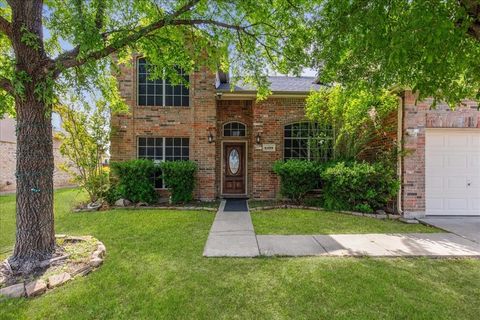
pixel 452 167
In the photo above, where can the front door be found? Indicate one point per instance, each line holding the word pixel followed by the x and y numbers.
pixel 234 168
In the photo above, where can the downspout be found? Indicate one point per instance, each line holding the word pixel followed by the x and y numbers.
pixel 400 152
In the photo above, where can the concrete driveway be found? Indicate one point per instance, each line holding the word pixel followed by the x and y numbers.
pixel 467 227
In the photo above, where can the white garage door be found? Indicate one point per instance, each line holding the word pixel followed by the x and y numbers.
pixel 452 171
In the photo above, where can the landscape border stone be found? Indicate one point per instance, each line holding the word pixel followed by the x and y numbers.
pixel 353 213
pixel 191 208
pixel 39 286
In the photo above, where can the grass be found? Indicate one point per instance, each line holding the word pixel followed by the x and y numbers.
pixel 300 221
pixel 252 203
pixel 154 269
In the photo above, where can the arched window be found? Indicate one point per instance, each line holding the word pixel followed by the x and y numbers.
pixel 308 141
pixel 234 129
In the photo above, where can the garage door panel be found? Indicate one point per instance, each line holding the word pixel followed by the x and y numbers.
pixel 456 203
pixel 475 141
pixel 452 169
pixel 437 183
pixel 457 183
pixel 475 204
pixel 457 161
pixel 474 162
pixel 437 141
pixel 436 203
pixel 436 160
pixel 457 141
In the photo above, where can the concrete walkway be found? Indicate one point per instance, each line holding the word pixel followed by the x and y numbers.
pixel 232 235
pixel 434 245
pixel 467 227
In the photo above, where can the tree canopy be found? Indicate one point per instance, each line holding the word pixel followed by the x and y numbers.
pixel 430 46
pixel 247 37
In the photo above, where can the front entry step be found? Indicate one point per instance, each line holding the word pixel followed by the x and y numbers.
pixel 236 205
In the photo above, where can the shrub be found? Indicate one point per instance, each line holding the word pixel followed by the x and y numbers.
pixel 179 177
pixel 359 116
pixel 134 180
pixel 84 141
pixel 297 177
pixel 358 186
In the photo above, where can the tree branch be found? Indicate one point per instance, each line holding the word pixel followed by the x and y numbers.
pixel 6 85
pixel 472 9
pixel 70 59
pixel 5 27
pixel 99 16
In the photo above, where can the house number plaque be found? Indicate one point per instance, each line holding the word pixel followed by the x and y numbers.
pixel 268 147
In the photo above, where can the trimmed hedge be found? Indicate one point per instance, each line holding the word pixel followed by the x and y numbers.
pixel 179 177
pixel 358 186
pixel 134 180
pixel 297 177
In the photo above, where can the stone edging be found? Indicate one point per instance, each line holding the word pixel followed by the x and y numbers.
pixel 40 286
pixel 164 208
pixel 353 213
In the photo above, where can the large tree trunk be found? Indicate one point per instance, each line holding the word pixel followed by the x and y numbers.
pixel 35 239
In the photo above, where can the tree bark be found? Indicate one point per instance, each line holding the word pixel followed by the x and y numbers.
pixel 35 238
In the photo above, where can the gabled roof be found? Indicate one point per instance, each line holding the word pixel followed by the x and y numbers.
pixel 278 84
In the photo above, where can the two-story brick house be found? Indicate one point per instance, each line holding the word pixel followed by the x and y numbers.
pixel 236 139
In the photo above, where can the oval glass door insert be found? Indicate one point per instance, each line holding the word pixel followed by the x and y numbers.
pixel 234 161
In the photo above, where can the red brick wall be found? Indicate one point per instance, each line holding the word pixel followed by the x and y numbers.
pixel 269 118
pixel 206 114
pixel 418 116
pixel 193 122
pixel 266 118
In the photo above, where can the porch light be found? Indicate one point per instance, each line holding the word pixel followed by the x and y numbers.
pixel 210 137
pixel 257 138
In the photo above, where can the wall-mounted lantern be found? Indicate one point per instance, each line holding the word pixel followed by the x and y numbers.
pixel 258 138
pixel 210 137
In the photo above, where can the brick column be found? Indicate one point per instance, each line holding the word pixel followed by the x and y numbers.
pixel 122 141
pixel 413 184
pixel 202 90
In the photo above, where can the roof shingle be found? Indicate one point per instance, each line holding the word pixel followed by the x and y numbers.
pixel 277 84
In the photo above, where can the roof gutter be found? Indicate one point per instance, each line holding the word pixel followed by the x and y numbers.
pixel 251 95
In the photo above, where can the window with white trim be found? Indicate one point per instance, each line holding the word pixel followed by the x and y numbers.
pixel 234 129
pixel 308 141
pixel 163 149
pixel 160 92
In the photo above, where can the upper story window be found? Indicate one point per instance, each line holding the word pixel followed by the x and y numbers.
pixel 308 141
pixel 234 129
pixel 160 92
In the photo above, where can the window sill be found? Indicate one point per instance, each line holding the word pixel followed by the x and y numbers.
pixel 164 107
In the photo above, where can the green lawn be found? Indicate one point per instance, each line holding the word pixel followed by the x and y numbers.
pixel 300 221
pixel 154 269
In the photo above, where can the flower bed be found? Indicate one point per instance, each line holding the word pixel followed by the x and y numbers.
pixel 75 257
